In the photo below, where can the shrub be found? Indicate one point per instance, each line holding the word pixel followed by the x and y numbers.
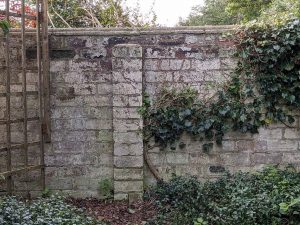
pixel 43 211
pixel 269 197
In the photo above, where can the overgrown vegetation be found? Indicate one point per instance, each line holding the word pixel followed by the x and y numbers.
pixel 43 211
pixel 99 13
pixel 225 12
pixel 264 89
pixel 262 198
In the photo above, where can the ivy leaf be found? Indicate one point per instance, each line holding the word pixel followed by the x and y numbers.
pixel 243 117
pixel 289 66
pixel 276 47
pixel 291 98
pixel 224 111
pixel 186 112
pixel 208 124
pixel 188 123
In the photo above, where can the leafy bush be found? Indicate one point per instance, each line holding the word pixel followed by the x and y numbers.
pixel 269 197
pixel 43 211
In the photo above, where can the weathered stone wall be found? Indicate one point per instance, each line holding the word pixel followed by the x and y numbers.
pixel 97 82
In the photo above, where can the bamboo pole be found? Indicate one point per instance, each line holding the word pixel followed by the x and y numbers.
pixel 8 102
pixel 41 92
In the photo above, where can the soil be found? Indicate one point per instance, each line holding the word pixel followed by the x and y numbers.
pixel 117 213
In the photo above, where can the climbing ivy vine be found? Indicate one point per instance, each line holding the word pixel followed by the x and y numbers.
pixel 264 89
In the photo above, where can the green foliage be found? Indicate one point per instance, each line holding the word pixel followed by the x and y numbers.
pixel 200 221
pixel 4 25
pixel 211 13
pixel 43 211
pixel 262 198
pixel 106 188
pixel 247 10
pixel 265 88
pixel 280 11
pixel 99 13
pixel 224 12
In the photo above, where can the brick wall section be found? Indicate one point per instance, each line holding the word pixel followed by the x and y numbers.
pixel 127 123
pixel 97 80
pixel 81 152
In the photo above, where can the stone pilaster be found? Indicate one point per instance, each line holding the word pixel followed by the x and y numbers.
pixel 127 123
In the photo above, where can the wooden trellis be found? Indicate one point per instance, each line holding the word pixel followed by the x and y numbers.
pixel 41 93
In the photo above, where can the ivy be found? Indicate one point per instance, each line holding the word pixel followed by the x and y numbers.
pixel 264 88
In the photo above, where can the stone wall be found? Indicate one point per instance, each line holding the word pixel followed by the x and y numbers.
pixel 98 78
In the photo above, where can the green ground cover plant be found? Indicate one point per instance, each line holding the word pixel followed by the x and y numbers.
pixel 268 197
pixel 42 211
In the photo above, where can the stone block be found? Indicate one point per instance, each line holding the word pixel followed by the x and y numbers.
pixel 127 51
pixel 134 197
pixel 157 159
pixel 58 66
pixel 191 39
pixel 291 133
pixel 159 52
pixel 291 158
pixel 265 158
pixel 236 159
pixel 93 53
pixel 104 89
pixel 128 161
pixel 155 77
pixel 106 160
pixel 127 76
pixel 260 145
pixel 126 113
pixel 135 149
pixel 82 66
pixel 59 183
pixel 177 158
pixel 128 186
pixel 128 174
pixel 245 145
pixel 120 196
pixel 127 88
pixel 165 64
pixel 282 145
pixel 200 65
pixel 228 63
pixel 105 135
pixel 98 124
pixel 128 137
pixel 125 125
pixel 200 158
pixel 151 65
pixel 267 134
pixel 125 64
